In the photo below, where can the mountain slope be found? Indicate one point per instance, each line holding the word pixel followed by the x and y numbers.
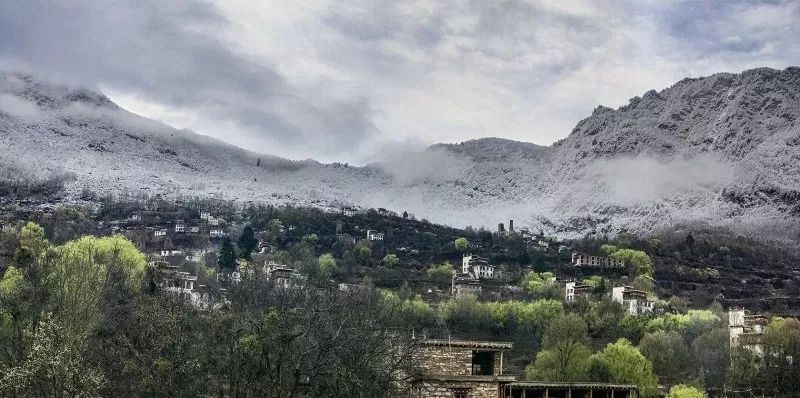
pixel 721 150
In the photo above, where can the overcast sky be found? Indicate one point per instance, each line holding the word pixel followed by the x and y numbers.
pixel 358 81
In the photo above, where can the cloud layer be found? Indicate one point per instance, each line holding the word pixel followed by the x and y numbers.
pixel 360 80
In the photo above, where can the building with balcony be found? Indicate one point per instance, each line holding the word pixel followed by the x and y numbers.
pixel 635 302
pixel 477 267
pixel 589 261
pixel 574 290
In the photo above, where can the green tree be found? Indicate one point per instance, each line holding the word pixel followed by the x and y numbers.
pixel 636 260
pixel 247 242
pixel 55 366
pixel 621 362
pixel 670 356
pixel 32 244
pixel 781 344
pixel 712 355
pixel 565 355
pixel 226 258
pixel 363 254
pixel 684 391
pixel 462 244
pixel 390 260
pixel 539 283
pixel 327 265
pixel 441 274
pixel 83 273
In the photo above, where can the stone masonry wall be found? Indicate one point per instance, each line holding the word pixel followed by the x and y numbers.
pixel 444 360
pixel 444 389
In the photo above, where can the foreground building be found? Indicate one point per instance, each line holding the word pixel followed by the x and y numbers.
pixel 535 389
pixel 475 369
pixel 459 369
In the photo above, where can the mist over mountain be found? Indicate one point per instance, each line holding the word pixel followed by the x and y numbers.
pixel 722 150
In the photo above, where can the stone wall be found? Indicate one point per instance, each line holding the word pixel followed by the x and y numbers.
pixel 445 389
pixel 454 361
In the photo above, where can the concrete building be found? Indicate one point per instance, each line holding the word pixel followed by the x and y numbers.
pixel 586 260
pixel 635 302
pixel 573 290
pixel 180 226
pixel 477 267
pixel 216 233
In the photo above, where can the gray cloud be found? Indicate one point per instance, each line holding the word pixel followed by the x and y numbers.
pixel 349 80
pixel 174 53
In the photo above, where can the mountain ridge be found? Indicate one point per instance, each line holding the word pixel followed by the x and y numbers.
pixel 721 149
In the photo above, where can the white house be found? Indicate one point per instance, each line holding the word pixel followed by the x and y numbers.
pixel 586 260
pixel 216 233
pixel 204 215
pixel 349 211
pixel 635 302
pixel 573 290
pixel 180 226
pixel 746 330
pixel 477 267
pixel 160 232
pixel 374 235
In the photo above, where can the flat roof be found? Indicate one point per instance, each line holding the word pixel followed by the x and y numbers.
pixel 497 345
pixel 599 386
pixel 467 378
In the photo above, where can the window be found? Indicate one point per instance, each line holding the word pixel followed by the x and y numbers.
pixel 482 363
pixel 460 393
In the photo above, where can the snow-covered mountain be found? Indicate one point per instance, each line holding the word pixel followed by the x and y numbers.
pixel 721 150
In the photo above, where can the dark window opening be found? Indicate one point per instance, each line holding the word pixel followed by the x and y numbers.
pixel 482 363
pixel 460 393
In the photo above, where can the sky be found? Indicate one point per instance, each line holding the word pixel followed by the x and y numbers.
pixel 362 81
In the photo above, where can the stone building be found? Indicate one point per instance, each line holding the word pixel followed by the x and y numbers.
pixel 634 301
pixel 459 369
pixel 465 285
pixel 746 330
pixel 586 260
pixel 573 290
pixel 477 267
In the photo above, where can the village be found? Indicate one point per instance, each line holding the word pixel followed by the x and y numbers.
pixel 198 252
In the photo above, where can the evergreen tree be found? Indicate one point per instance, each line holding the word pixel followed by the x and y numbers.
pixel 226 258
pixel 247 242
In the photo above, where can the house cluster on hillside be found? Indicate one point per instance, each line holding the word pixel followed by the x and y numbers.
pixel 635 302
